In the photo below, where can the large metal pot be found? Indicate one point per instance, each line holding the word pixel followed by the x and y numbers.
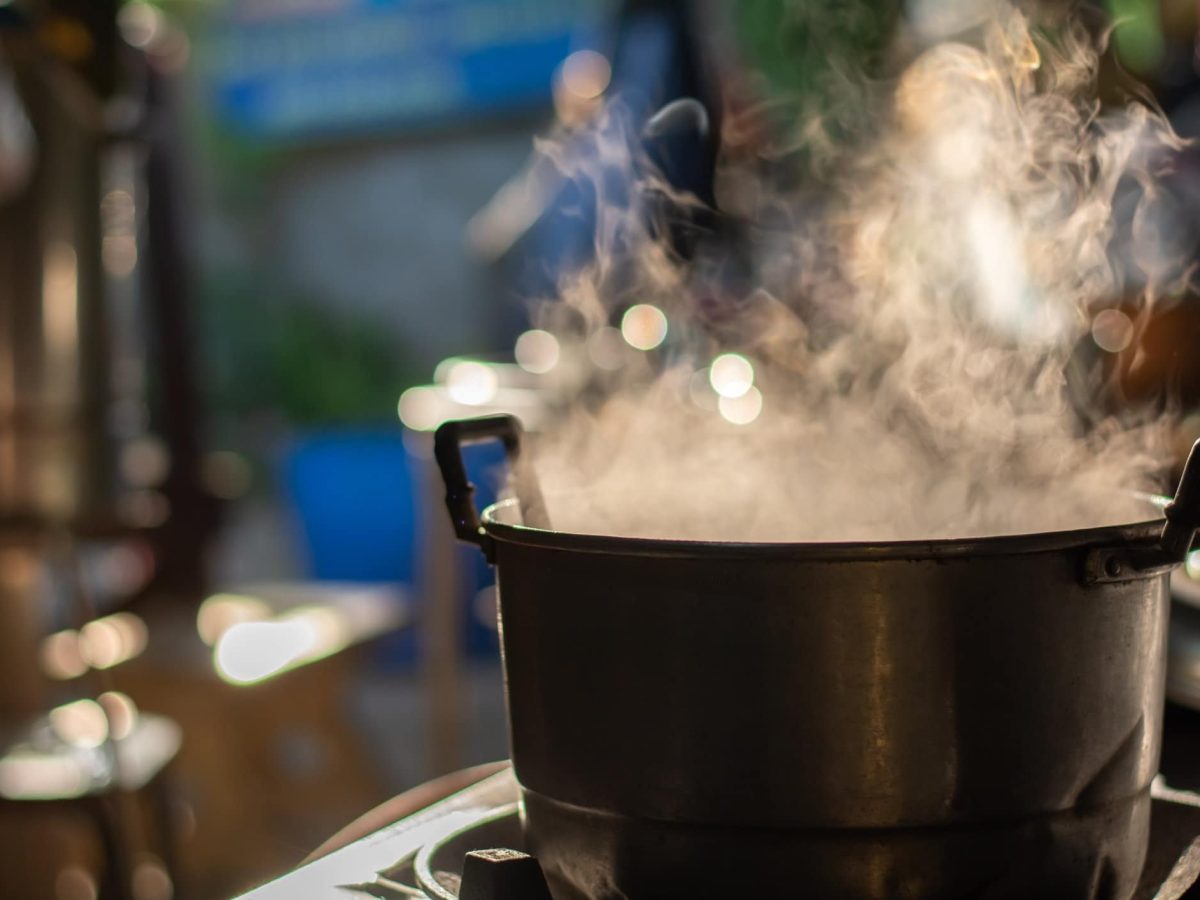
pixel 974 718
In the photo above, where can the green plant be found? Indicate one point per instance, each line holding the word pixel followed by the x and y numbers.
pixel 270 349
pixel 330 368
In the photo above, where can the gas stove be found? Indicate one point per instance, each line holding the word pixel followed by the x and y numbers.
pixel 469 846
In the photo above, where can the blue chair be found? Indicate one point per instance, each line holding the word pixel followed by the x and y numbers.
pixel 353 492
pixel 355 498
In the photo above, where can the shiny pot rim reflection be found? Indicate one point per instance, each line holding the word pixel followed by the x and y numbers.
pixel 502 520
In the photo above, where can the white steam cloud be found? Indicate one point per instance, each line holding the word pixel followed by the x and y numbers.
pixel 909 325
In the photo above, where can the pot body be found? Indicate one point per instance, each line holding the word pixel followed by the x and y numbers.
pixel 905 720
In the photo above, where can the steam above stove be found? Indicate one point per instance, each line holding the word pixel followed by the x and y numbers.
pixel 891 350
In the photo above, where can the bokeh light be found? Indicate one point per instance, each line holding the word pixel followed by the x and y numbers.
pixel 75 883
pixel 254 651
pixel 227 474
pixel 741 410
pixel 143 508
pixel 112 640
pixel 579 85
pixel 472 383
pixel 81 723
pixel 644 327
pixel 251 652
pixel 420 408
pixel 537 351
pixel 1112 330
pixel 731 375
pixel 220 612
pixel 606 349
pixel 61 655
pixel 585 74
pixel 122 714
pixel 144 462
pixel 151 880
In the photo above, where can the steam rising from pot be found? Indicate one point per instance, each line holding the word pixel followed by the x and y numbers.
pixel 907 330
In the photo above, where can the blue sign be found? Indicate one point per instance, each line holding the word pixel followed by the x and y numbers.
pixel 284 69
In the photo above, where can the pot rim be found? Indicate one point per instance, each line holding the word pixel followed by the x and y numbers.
pixel 1141 532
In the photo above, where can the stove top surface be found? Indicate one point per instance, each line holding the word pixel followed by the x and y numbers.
pixel 422 856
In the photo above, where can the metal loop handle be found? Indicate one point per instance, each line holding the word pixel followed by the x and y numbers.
pixel 1183 512
pixel 1124 563
pixel 448 442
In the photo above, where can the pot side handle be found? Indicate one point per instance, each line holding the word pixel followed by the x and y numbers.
pixel 1108 564
pixel 1183 512
pixel 448 442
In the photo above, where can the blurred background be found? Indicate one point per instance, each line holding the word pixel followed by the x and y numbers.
pixel 251 253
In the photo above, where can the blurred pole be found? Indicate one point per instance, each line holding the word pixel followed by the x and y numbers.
pixel 23 691
pixel 441 618
pixel 167 278
pixel 55 464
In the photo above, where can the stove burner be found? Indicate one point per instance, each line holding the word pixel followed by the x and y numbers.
pixel 437 864
pixel 474 851
pixel 473 862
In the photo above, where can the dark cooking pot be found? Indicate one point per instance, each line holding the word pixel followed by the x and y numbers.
pixel 950 718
